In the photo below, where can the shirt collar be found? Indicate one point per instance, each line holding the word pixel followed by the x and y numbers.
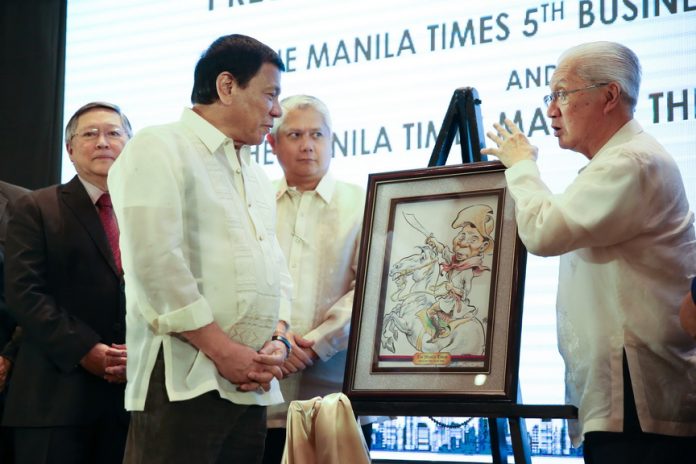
pixel 623 135
pixel 325 189
pixel 210 135
pixel 93 191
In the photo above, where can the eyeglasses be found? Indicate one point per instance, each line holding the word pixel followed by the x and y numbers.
pixel 92 133
pixel 561 96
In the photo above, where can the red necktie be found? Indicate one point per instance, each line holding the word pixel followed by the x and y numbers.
pixel 108 220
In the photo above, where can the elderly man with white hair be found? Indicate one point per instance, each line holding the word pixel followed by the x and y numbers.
pixel 626 239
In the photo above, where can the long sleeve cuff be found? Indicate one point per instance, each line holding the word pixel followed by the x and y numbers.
pixel 322 346
pixel 191 317
pixel 520 169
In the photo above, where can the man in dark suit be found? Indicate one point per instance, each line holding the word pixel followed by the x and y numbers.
pixel 64 285
pixel 8 196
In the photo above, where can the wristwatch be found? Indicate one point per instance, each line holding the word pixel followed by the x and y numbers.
pixel 285 342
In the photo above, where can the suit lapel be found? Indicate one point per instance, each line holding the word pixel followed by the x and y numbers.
pixel 76 198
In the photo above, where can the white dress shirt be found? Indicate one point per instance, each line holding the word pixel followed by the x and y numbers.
pixel 319 232
pixel 195 250
pixel 93 191
pixel 626 237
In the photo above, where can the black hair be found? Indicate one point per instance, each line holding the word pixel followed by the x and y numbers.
pixel 240 55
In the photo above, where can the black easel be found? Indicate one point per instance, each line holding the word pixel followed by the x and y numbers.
pixel 464 117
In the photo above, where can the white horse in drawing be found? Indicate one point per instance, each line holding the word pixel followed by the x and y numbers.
pixel 414 277
pixel 411 301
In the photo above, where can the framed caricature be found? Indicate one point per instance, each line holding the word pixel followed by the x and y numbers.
pixel 438 301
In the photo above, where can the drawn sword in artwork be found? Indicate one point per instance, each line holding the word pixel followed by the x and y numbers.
pixel 413 221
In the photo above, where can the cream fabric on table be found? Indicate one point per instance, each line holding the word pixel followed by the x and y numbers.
pixel 324 431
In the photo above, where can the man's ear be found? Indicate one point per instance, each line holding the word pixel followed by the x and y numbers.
pixel 272 142
pixel 69 149
pixel 225 84
pixel 613 97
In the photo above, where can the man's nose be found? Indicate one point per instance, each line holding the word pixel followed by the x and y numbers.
pixel 552 110
pixel 102 140
pixel 307 143
pixel 276 110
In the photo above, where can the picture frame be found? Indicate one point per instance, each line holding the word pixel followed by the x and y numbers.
pixel 439 289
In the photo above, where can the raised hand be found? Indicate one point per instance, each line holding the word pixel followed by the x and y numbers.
pixel 512 145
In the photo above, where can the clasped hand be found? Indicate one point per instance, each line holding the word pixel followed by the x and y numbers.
pixel 251 370
pixel 107 362
pixel 512 145
pixel 115 363
pixel 302 356
pixel 5 367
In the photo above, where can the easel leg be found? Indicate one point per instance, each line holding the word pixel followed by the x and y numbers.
pixel 496 425
pixel 520 441
pixel 519 437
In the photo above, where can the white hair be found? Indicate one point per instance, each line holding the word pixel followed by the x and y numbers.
pixel 71 127
pixel 604 62
pixel 301 102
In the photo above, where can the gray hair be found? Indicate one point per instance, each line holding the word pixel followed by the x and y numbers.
pixel 71 127
pixel 301 102
pixel 604 62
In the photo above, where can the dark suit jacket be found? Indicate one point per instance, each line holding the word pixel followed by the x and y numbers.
pixel 8 196
pixel 62 286
pixel 6 321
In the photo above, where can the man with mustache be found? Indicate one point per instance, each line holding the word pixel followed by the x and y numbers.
pixel 461 265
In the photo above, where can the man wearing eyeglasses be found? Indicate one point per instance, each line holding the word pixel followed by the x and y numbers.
pixel 626 239
pixel 64 286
